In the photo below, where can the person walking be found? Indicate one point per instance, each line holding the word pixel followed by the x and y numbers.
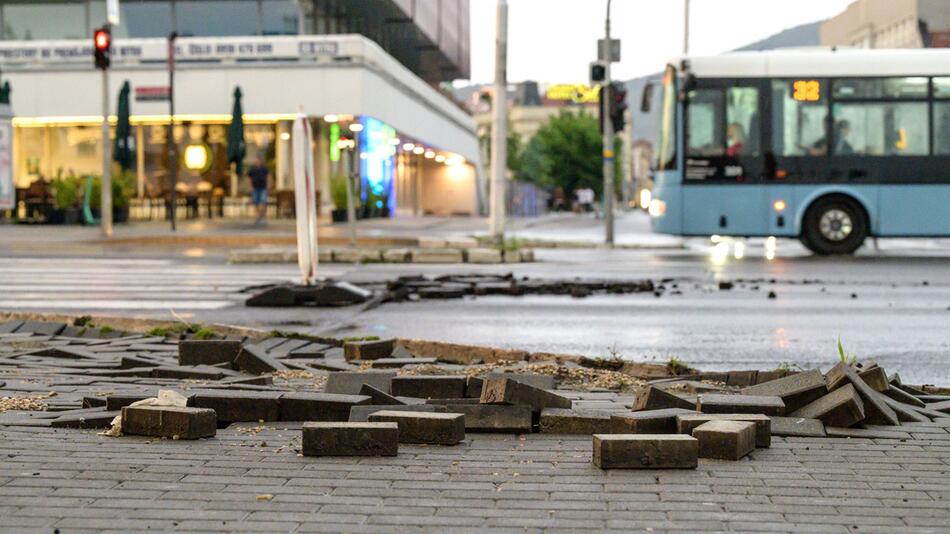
pixel 258 175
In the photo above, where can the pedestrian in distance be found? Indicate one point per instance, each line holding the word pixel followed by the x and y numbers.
pixel 258 174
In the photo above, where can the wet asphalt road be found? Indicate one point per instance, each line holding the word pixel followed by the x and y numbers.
pixel 892 305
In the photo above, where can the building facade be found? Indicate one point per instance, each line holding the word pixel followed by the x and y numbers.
pixel 890 24
pixel 373 106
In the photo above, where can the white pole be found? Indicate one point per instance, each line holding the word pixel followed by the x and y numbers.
pixel 499 126
pixel 106 181
pixel 606 96
pixel 686 29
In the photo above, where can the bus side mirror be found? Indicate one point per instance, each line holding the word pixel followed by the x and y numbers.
pixel 646 98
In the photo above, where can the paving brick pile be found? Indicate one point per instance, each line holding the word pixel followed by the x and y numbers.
pixel 260 417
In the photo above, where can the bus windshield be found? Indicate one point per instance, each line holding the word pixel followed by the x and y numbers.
pixel 666 153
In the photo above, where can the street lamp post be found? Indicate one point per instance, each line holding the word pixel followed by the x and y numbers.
pixel 499 126
pixel 606 98
pixel 172 146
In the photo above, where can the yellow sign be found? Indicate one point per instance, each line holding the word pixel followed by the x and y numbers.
pixel 806 90
pixel 576 93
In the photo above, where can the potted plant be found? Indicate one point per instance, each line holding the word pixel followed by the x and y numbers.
pixel 338 194
pixel 66 197
pixel 122 186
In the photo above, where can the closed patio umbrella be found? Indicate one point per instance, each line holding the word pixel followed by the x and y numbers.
pixel 123 152
pixel 236 147
pixel 305 193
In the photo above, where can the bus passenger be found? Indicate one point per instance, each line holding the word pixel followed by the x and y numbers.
pixel 736 139
pixel 842 147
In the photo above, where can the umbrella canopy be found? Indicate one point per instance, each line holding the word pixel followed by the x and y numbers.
pixel 5 93
pixel 236 146
pixel 124 150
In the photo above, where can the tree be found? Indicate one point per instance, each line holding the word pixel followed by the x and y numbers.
pixel 569 150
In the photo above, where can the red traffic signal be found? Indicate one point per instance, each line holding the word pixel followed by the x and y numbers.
pixel 102 41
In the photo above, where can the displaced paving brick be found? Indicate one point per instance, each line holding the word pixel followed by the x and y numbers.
pixel 310 350
pixel 725 440
pixel 795 390
pixel 532 379
pixel 507 391
pixel 842 407
pixel 394 363
pixel 645 451
pixel 742 378
pixel 41 328
pixel 252 359
pixel 424 427
pixel 943 406
pixel 378 396
pixel 647 421
pixel 470 402
pixel 350 382
pixel 473 387
pixel 240 406
pixel 492 417
pixel 194 372
pixel 318 406
pixel 117 401
pixel 876 411
pixel 10 326
pixel 902 396
pixel 797 427
pixel 207 352
pixel 717 403
pixel 906 413
pixel 876 378
pixel 169 422
pixel 368 350
pixel 361 412
pixel 101 419
pixel 429 387
pixel 654 398
pixel 350 439
pixel 437 255
pixel 562 421
pixel 763 424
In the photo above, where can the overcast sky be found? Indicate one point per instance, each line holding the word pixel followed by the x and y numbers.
pixel 555 40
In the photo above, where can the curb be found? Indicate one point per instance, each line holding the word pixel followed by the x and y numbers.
pixel 421 255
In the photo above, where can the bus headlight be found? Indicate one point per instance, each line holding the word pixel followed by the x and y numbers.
pixel 657 208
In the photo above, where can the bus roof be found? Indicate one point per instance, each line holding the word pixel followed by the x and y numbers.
pixel 821 61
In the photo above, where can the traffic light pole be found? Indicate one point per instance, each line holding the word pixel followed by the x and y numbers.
pixel 172 146
pixel 105 200
pixel 605 101
pixel 499 136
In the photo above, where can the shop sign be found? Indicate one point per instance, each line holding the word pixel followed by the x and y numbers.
pixel 7 191
pixel 151 94
pixel 576 93
pixel 156 50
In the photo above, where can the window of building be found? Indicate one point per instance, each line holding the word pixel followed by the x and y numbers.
pixel 278 17
pixel 742 122
pixel 29 21
pixel 880 129
pixel 799 114
pixel 214 18
pixel 705 137
pixel 140 19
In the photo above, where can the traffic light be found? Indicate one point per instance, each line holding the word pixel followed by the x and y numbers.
pixel 618 105
pixel 102 42
pixel 598 72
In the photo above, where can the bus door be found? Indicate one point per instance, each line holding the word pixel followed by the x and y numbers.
pixel 723 179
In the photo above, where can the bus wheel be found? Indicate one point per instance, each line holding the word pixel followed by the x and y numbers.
pixel 834 225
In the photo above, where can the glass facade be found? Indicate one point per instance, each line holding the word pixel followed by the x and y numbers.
pixel 29 20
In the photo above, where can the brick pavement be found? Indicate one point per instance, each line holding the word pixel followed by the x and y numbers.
pixel 252 477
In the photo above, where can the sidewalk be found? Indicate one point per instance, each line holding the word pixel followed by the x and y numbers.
pixel 569 230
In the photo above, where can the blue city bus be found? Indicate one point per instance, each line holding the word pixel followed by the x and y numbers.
pixel 828 146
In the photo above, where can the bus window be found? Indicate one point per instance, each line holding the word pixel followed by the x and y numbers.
pixel 941 87
pixel 742 122
pixel 880 129
pixel 799 113
pixel 942 127
pixel 704 123
pixel 870 88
